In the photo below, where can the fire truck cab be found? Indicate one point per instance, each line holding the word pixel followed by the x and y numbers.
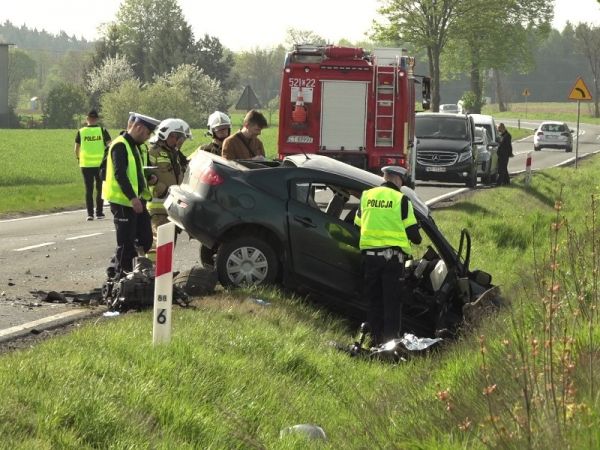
pixel 350 105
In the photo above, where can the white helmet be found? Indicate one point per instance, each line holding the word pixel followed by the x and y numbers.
pixel 168 126
pixel 218 120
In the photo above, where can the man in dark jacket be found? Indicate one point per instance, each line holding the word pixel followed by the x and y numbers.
pixel 504 152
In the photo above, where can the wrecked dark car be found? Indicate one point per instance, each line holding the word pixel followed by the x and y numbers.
pixel 291 222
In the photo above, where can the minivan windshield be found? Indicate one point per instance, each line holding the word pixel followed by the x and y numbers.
pixel 441 127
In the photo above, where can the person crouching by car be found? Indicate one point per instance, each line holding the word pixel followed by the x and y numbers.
pixel 168 164
pixel 387 227
pixel 127 192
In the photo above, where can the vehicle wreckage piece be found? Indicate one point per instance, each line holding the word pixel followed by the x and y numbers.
pixel 395 350
pixel 136 289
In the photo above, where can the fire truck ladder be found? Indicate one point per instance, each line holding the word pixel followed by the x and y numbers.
pixel 385 95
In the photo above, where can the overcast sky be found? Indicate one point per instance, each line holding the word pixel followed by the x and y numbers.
pixel 241 25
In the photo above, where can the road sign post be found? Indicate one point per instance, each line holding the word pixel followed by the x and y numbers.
pixel 579 92
pixel 526 94
pixel 163 284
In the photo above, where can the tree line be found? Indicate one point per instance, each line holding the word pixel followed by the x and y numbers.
pixel 149 59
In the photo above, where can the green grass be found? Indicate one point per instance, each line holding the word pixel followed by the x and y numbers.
pixel 236 373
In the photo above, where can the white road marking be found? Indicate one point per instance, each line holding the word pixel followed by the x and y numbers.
pixel 82 236
pixel 45 244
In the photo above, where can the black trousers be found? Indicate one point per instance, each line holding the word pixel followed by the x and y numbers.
pixel 383 289
pixel 132 230
pixel 91 176
pixel 503 177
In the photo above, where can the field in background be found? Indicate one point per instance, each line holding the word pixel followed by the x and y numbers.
pixel 565 111
pixel 42 174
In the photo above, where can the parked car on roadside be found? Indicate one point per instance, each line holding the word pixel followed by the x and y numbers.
pixel 292 222
pixel 450 108
pixel 553 135
pixel 487 122
pixel 487 157
pixel 446 148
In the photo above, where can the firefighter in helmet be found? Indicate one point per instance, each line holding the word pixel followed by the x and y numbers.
pixel 219 127
pixel 168 163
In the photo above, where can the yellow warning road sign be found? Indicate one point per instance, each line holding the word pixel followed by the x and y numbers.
pixel 580 91
pixel 526 92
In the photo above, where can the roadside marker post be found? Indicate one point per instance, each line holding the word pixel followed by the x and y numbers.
pixel 163 284
pixel 528 169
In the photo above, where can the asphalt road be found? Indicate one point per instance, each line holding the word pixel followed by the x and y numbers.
pixel 63 252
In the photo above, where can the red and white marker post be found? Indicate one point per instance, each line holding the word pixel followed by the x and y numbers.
pixel 528 169
pixel 163 284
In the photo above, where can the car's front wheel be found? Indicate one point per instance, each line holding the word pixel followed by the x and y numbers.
pixel 246 261
pixel 537 149
pixel 472 178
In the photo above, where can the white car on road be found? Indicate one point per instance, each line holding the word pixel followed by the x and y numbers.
pixel 553 135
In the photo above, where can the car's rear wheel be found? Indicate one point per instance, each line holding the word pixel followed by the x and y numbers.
pixel 246 261
pixel 537 149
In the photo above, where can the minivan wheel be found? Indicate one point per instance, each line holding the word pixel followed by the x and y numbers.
pixel 246 261
pixel 472 180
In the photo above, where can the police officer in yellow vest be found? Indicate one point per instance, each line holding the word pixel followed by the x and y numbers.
pixel 168 164
pixel 387 227
pixel 127 191
pixel 91 143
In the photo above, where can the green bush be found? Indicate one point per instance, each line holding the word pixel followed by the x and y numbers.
pixel 64 100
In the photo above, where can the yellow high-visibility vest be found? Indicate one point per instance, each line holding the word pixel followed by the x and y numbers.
pixel 111 191
pixel 380 221
pixel 91 146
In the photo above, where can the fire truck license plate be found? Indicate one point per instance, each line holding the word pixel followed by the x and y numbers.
pixel 435 169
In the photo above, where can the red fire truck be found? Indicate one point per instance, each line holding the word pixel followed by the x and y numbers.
pixel 350 105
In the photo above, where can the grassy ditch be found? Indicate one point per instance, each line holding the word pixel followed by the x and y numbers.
pixel 236 372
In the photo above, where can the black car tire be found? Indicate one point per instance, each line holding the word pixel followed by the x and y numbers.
pixel 246 260
pixel 537 149
pixel 197 281
pixel 472 180
pixel 569 149
pixel 207 257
